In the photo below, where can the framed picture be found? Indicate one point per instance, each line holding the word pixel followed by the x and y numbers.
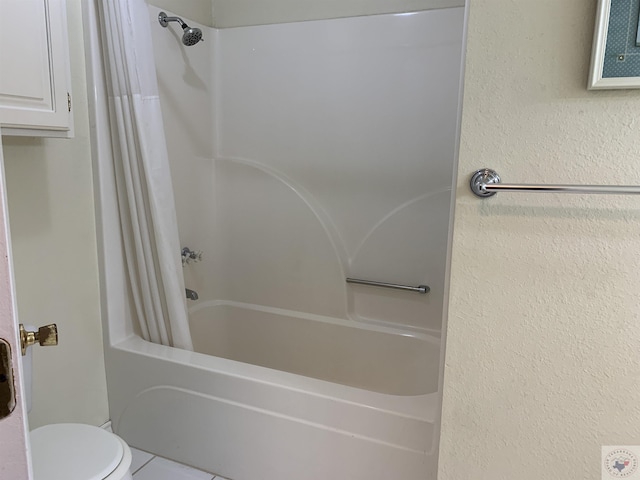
pixel 615 58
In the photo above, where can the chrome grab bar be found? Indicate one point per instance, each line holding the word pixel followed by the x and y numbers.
pixel 486 183
pixel 419 289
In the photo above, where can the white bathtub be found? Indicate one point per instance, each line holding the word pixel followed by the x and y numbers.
pixel 249 422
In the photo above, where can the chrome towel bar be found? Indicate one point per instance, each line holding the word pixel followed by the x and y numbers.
pixel 486 183
pixel 419 289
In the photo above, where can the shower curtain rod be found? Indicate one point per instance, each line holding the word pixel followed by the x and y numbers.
pixel 486 183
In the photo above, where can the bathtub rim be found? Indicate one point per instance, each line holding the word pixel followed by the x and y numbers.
pixel 361 324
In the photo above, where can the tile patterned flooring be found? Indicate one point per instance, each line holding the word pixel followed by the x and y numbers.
pixel 146 466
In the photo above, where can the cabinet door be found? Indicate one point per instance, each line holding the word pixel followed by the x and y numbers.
pixel 34 65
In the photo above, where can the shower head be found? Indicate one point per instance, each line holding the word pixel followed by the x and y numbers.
pixel 191 36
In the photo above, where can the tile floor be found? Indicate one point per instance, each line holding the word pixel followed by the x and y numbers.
pixel 146 466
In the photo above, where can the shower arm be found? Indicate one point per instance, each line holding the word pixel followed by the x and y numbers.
pixel 164 20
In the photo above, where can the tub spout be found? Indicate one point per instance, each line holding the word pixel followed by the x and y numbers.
pixel 191 295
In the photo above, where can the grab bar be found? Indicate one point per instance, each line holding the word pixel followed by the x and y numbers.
pixel 419 289
pixel 486 183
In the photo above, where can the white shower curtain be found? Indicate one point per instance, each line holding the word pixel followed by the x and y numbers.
pixel 145 193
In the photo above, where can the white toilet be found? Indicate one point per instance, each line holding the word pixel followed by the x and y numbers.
pixel 72 451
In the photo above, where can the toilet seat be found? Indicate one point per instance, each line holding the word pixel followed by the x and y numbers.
pixel 69 451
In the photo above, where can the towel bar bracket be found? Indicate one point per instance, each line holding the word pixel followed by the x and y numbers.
pixel 482 178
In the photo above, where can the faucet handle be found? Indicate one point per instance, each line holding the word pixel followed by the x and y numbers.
pixel 190 256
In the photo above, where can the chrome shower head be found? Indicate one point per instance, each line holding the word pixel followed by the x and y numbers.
pixel 191 36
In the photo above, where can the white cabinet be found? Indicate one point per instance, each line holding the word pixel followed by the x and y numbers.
pixel 35 94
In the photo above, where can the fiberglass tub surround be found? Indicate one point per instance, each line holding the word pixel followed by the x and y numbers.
pixel 301 154
pixel 333 159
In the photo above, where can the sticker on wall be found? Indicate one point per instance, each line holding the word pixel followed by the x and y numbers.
pixel 615 57
pixel 620 461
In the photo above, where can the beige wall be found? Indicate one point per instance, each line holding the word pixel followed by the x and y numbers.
pixel 51 214
pixel 543 356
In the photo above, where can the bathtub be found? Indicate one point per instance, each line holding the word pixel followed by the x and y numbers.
pixel 241 419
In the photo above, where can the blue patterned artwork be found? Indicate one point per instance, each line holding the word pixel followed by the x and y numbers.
pixel 622 53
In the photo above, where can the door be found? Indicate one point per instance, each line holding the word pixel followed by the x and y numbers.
pixel 14 460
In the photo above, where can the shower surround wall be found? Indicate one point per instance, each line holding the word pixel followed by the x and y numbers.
pixel 328 155
pixel 301 154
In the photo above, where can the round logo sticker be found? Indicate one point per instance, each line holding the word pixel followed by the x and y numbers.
pixel 621 463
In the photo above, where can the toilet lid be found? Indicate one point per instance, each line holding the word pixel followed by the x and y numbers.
pixel 69 451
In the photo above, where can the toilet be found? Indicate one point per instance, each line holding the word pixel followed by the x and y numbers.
pixel 73 451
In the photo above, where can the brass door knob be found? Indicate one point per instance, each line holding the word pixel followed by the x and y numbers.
pixel 46 336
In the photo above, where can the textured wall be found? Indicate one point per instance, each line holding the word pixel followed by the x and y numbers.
pixel 51 214
pixel 542 360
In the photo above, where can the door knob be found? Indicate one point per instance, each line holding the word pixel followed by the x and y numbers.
pixel 46 336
